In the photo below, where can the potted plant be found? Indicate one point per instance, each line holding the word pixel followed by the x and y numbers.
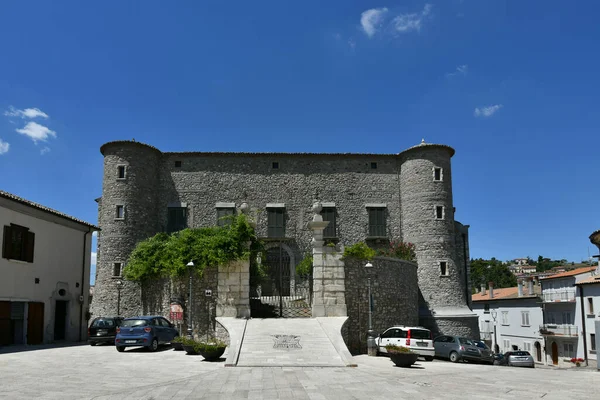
pixel 401 356
pixel 177 343
pixel 577 361
pixel 189 345
pixel 211 349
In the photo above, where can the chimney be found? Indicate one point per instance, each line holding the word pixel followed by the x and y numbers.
pixel 520 287
pixel 491 286
pixel 530 287
pixel 483 289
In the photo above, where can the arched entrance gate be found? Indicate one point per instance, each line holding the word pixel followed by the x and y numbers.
pixel 280 294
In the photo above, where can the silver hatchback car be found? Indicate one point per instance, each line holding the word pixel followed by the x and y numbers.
pixel 457 348
pixel 519 358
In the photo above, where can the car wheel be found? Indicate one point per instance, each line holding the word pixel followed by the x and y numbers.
pixel 454 357
pixel 153 345
pixel 92 343
pixel 120 349
pixel 428 358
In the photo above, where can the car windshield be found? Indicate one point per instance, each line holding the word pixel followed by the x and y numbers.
pixel 520 353
pixel 419 334
pixel 103 323
pixel 482 345
pixel 134 322
pixel 466 341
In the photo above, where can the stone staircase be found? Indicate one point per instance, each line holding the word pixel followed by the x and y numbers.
pixel 287 342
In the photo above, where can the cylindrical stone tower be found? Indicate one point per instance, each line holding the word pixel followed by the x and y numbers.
pixel 428 222
pixel 128 205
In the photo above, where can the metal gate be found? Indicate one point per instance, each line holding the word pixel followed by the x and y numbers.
pixel 281 294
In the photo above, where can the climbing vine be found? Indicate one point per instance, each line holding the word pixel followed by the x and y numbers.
pixel 166 255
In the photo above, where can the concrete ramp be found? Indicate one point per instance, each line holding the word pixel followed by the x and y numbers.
pixel 287 342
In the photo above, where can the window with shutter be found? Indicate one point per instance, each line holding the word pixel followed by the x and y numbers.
pixel 18 243
pixel 276 222
pixel 377 226
pixel 224 215
pixel 328 214
pixel 176 219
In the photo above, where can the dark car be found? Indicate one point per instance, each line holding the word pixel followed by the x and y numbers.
pixel 148 332
pixel 103 330
pixel 457 348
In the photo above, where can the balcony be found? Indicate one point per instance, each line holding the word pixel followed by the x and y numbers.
pixel 558 295
pixel 485 335
pixel 559 330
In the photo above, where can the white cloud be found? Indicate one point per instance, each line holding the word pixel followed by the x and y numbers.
pixel 26 113
pixel 44 150
pixel 95 234
pixel 411 22
pixel 461 69
pixel 36 132
pixel 487 111
pixel 4 147
pixel 351 43
pixel 372 19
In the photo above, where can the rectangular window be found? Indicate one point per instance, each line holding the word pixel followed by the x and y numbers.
pixel 525 318
pixel 275 165
pixel 121 172
pixel 568 349
pixel 566 318
pixel 437 174
pixel 506 344
pixel 486 308
pixel 590 305
pixel 377 226
pixel 592 341
pixel 504 317
pixel 373 165
pixel 444 268
pixel 177 164
pixel 527 346
pixel 120 212
pixel 439 212
pixel 276 222
pixel 224 215
pixel 176 219
pixel 117 269
pixel 328 214
pixel 18 243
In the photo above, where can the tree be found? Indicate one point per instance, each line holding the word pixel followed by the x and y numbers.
pixel 484 271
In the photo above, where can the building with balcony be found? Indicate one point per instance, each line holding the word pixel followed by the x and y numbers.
pixel 562 328
pixel 510 318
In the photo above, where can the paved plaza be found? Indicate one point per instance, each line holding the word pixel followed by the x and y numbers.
pixel 85 372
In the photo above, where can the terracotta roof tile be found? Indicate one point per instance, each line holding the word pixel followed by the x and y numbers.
pixel 570 273
pixel 591 279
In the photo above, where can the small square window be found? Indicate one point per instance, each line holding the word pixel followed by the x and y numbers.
pixel 439 212
pixel 177 164
pixel 373 165
pixel 121 172
pixel 437 174
pixel 117 269
pixel 275 165
pixel 120 214
pixel 444 268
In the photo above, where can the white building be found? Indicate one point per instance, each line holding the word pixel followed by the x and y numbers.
pixel 588 311
pixel 45 270
pixel 562 327
pixel 509 318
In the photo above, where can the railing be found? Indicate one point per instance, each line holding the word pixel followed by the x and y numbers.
pixel 559 330
pixel 558 295
pixel 485 335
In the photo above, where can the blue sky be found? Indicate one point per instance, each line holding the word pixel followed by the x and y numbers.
pixel 512 86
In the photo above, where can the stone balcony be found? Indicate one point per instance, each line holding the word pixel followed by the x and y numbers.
pixel 559 330
pixel 558 295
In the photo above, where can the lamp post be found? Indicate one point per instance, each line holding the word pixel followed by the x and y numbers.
pixel 494 315
pixel 119 287
pixel 190 329
pixel 371 345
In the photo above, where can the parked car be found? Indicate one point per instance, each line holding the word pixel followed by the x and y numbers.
pixel 518 358
pixel 103 330
pixel 457 348
pixel 417 339
pixel 149 332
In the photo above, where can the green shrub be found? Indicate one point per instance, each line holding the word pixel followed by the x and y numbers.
pixel 360 251
pixel 305 267
pixel 399 249
pixel 213 345
pixel 394 349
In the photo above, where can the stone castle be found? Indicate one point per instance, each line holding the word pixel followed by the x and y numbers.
pixel 365 197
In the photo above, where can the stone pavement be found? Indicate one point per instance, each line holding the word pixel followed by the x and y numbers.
pixel 85 372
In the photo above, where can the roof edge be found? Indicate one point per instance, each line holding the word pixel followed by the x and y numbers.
pixel 424 145
pixel 127 142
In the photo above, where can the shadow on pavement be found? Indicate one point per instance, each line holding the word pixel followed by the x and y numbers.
pixel 22 347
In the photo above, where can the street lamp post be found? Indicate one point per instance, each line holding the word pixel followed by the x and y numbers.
pixel 494 315
pixel 371 345
pixel 190 329
pixel 119 287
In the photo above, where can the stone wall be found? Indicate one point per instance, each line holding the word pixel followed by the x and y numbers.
pixel 395 293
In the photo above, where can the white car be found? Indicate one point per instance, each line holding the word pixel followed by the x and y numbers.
pixel 416 338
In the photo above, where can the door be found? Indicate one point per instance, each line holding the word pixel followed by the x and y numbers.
pixel 35 323
pixel 554 353
pixel 538 351
pixel 159 330
pixel 5 330
pixel 60 320
pixel 389 337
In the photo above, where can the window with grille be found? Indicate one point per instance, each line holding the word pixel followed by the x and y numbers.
pixel 18 243
pixel 525 318
pixel 276 222
pixel 328 214
pixel 176 219
pixel 224 215
pixel 377 226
